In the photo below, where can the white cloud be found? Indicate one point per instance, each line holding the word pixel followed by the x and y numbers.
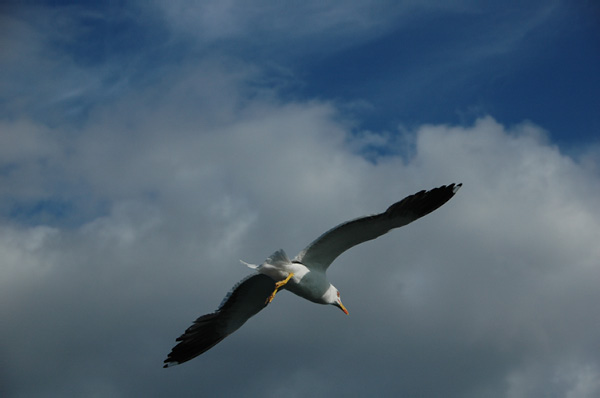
pixel 492 295
pixel 506 268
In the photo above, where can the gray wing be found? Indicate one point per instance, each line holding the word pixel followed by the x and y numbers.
pixel 322 251
pixel 244 301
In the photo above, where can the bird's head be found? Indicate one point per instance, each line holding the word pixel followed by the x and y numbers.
pixel 332 296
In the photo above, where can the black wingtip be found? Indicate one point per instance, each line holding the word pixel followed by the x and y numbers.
pixel 422 203
pixel 245 300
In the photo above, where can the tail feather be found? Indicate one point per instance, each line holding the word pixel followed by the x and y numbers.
pixel 252 266
pixel 278 258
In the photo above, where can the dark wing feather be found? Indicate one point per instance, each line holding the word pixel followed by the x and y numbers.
pixel 326 248
pixel 245 300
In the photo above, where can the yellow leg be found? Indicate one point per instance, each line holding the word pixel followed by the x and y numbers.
pixel 278 286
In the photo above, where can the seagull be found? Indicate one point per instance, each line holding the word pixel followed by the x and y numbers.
pixel 303 276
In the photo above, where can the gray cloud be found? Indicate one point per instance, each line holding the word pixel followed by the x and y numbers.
pixel 493 295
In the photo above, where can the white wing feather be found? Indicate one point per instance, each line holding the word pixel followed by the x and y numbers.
pixel 326 248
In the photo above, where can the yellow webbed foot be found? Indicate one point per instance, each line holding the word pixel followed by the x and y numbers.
pixel 278 286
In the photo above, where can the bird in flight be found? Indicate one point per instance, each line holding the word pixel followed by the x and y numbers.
pixel 303 276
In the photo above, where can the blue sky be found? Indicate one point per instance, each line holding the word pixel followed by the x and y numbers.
pixel 406 64
pixel 147 146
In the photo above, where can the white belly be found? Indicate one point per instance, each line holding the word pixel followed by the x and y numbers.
pixel 309 285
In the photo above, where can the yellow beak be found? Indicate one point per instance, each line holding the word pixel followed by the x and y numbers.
pixel 342 306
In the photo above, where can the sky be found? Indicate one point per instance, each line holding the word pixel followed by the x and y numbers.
pixel 147 146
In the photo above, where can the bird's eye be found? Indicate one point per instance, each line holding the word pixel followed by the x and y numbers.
pixel 338 294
